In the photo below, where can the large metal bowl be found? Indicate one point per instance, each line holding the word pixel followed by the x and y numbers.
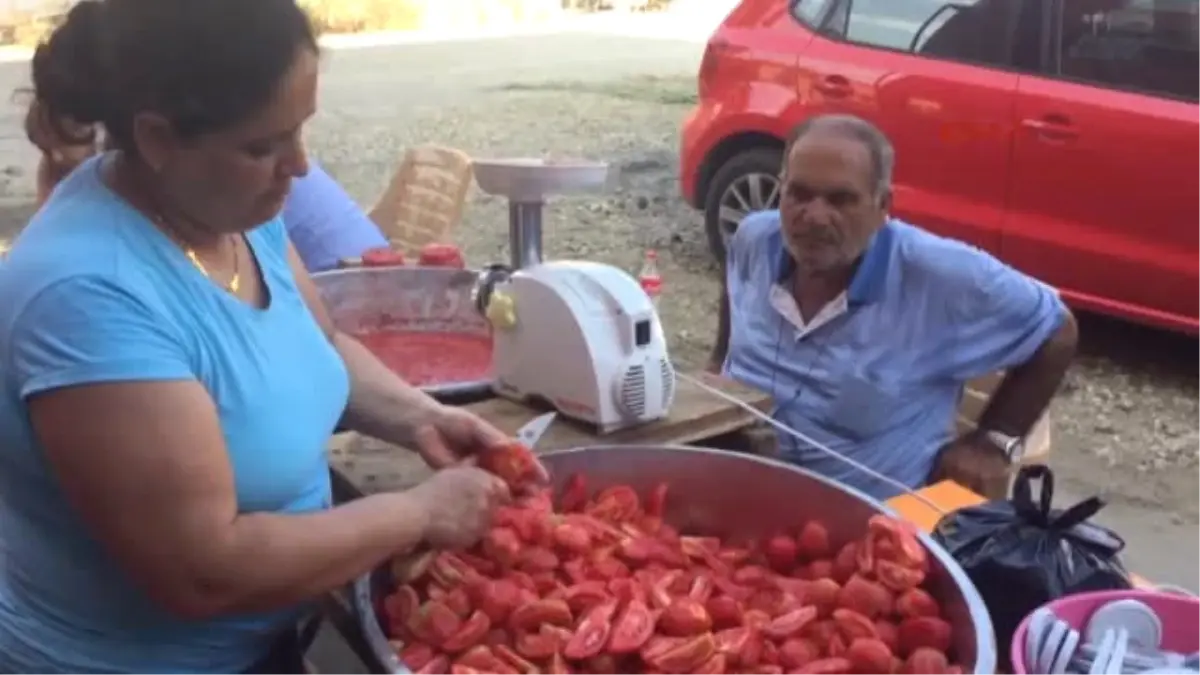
pixel 725 493
pixel 432 299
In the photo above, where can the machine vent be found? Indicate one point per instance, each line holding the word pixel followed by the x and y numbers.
pixel 668 383
pixel 633 391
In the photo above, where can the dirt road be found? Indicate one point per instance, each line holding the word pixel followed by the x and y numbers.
pixel 1125 424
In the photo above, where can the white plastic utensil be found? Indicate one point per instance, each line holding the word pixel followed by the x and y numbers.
pixel 1103 653
pixel 1116 660
pixel 1052 646
pixel 1070 645
pixel 1137 618
pixel 1039 630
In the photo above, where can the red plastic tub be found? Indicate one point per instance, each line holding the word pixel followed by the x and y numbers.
pixel 1180 616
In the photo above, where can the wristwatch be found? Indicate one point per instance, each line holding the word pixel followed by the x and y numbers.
pixel 1013 447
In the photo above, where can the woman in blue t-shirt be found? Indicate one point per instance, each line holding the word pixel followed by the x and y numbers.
pixel 170 378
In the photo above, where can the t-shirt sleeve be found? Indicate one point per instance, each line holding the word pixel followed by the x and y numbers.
pixel 88 330
pixel 999 317
pixel 325 224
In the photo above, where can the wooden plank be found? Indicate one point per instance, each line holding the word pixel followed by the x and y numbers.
pixel 370 465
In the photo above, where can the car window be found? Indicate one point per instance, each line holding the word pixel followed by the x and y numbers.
pixel 1144 45
pixel 1031 46
pixel 978 31
pixel 810 11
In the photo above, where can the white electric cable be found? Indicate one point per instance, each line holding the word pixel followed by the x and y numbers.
pixel 809 441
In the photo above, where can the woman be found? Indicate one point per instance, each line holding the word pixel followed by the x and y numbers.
pixel 323 222
pixel 170 378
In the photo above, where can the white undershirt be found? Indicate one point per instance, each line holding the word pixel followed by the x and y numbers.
pixel 784 302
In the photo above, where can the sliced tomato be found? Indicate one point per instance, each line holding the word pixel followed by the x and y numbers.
pixel 633 627
pixel 592 634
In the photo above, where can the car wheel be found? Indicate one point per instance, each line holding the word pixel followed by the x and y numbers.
pixel 747 182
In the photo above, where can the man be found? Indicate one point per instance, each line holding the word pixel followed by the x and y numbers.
pixel 864 329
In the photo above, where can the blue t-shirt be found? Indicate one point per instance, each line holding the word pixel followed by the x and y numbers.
pixel 325 224
pixel 92 292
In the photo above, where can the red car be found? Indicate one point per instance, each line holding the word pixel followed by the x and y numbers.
pixel 1060 135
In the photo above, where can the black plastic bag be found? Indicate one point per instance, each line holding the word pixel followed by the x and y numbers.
pixel 1021 554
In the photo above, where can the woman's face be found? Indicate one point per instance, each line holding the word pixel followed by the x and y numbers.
pixel 238 178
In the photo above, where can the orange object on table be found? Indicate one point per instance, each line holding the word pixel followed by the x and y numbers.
pixel 950 496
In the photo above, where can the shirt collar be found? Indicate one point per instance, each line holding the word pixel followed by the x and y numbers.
pixel 869 279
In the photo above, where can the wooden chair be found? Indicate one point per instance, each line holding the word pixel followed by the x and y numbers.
pixel 425 199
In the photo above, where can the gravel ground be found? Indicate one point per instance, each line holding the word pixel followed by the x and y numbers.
pixel 1125 424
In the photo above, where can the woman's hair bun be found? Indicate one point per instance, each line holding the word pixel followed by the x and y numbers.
pixel 68 67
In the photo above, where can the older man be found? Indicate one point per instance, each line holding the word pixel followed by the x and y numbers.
pixel 864 329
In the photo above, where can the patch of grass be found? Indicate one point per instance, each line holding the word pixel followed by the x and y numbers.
pixel 673 90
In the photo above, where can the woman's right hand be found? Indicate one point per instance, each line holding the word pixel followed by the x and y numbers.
pixel 457 503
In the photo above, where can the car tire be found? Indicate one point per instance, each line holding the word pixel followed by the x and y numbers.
pixel 742 166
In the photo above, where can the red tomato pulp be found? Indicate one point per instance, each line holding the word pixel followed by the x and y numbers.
pixel 425 359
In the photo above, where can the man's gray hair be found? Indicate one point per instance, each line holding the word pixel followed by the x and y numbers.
pixel 850 127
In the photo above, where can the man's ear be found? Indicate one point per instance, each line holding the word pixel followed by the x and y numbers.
pixel 885 202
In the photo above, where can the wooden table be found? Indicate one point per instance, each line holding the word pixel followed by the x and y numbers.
pixel 697 417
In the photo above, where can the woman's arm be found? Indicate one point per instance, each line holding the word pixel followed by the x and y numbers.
pixel 381 404
pixel 136 444
pixel 145 464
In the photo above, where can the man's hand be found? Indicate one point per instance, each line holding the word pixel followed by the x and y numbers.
pixel 975 464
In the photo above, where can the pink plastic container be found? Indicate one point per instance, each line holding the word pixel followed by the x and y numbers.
pixel 1180 616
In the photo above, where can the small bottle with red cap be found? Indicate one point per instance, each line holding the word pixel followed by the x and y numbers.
pixel 649 277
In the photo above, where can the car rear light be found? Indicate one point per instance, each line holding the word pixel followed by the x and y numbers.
pixel 709 65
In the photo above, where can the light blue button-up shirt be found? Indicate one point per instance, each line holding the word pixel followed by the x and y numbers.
pixel 881 382
pixel 325 224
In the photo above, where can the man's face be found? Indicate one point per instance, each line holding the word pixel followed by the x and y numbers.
pixel 829 207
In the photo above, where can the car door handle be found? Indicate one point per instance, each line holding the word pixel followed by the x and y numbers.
pixel 1051 127
pixel 834 86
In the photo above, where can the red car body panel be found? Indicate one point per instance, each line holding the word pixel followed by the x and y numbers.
pixel 1093 190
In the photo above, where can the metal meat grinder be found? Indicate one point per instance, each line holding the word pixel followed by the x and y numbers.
pixel 583 336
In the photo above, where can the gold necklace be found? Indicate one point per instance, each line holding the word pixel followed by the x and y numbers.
pixel 234 281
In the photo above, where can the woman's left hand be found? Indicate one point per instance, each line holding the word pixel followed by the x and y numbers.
pixel 453 434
